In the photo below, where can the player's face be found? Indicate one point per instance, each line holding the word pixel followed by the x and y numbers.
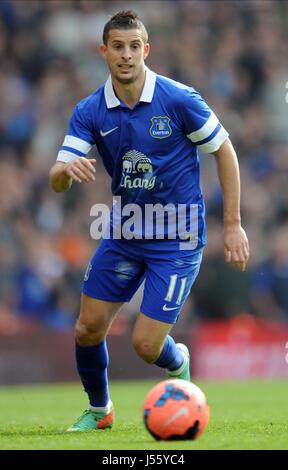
pixel 125 53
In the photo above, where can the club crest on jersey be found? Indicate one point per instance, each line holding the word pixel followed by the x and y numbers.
pixel 160 128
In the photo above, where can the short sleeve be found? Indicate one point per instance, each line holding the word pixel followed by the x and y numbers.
pixel 79 138
pixel 201 124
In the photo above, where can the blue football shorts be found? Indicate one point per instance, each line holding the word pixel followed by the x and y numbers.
pixel 118 268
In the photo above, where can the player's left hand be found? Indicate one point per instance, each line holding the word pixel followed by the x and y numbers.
pixel 236 246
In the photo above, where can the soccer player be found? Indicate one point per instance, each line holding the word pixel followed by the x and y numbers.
pixel 147 129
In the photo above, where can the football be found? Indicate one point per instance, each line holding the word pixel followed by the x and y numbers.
pixel 175 409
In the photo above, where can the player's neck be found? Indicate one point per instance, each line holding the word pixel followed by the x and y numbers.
pixel 130 93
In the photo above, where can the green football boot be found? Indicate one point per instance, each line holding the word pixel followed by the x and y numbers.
pixel 92 420
pixel 184 371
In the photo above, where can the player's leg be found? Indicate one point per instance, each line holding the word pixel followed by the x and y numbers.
pixel 154 345
pixel 169 278
pixel 95 319
pixel 110 279
pixel 148 337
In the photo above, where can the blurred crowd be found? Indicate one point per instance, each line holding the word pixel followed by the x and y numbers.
pixel 234 52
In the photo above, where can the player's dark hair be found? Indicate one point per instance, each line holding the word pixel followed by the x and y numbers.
pixel 124 20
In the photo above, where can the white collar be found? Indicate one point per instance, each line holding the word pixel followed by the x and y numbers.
pixel 147 93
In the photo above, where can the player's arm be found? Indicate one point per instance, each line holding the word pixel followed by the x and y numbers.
pixel 236 245
pixel 80 169
pixel 72 164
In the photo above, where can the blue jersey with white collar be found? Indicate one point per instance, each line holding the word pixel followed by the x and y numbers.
pixel 149 151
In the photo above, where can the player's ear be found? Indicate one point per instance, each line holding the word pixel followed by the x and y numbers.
pixel 146 50
pixel 103 49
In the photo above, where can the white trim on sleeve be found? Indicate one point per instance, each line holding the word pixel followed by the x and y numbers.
pixel 205 130
pixel 77 144
pixel 215 143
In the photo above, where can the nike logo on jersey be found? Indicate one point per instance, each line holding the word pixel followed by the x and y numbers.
pixel 104 133
pixel 182 412
pixel 169 308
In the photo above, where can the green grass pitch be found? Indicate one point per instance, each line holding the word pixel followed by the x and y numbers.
pixel 244 415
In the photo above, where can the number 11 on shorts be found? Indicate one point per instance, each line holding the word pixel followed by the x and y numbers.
pixel 172 286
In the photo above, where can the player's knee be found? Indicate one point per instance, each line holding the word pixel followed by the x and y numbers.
pixel 88 334
pixel 148 351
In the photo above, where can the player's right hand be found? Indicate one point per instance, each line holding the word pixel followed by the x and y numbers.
pixel 81 170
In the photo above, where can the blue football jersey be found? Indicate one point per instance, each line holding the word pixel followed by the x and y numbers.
pixel 150 152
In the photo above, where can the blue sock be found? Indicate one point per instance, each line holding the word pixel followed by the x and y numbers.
pixel 92 363
pixel 171 357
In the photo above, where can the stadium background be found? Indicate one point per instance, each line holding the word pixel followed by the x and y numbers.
pixel 235 54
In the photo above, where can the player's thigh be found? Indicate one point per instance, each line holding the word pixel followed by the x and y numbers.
pixel 114 272
pixel 168 283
